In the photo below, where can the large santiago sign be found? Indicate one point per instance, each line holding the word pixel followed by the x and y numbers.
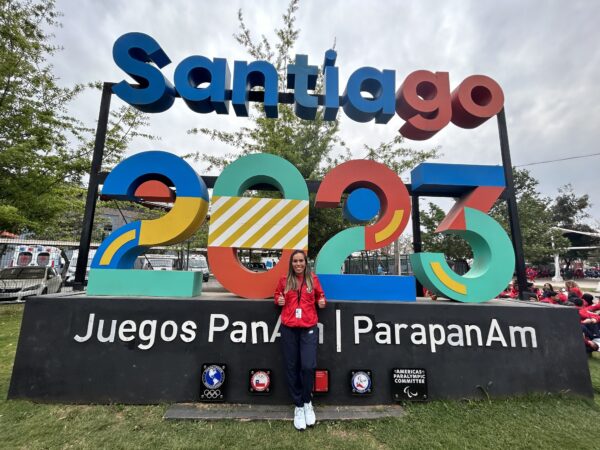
pixel 424 98
pixel 132 350
pixel 378 202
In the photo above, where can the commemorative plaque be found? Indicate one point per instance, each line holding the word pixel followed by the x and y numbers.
pixel 361 382
pixel 409 384
pixel 260 381
pixel 213 382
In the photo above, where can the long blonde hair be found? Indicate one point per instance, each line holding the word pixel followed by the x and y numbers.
pixel 569 284
pixel 291 283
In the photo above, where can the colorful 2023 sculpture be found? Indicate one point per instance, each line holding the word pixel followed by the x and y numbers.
pixel 237 222
pixel 493 254
pixel 112 271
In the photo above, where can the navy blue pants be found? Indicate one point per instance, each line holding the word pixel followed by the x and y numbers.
pixel 299 348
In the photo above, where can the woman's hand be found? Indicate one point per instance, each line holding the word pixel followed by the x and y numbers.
pixel 281 300
pixel 321 302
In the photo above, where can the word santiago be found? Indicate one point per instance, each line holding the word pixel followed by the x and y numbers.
pixel 206 85
pixel 432 335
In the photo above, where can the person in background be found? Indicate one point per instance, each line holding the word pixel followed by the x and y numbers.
pixel 427 293
pixel 587 314
pixel 543 293
pixel 571 286
pixel 591 344
pixel 551 297
pixel 299 293
pixel 562 295
pixel 547 288
pixel 588 300
pixel 510 292
pixel 531 273
pixel 532 293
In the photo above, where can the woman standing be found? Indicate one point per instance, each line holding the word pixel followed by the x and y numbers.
pixel 300 293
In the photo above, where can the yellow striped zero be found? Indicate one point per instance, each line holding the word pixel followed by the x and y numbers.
pixel 249 222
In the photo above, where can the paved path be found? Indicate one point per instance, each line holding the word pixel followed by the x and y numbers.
pixel 214 411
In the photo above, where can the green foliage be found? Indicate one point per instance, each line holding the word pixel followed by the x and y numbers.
pixel 45 153
pixel 306 144
pixel 538 216
pixel 397 156
pixel 453 247
pixel 313 146
pixel 540 239
pixel 34 125
pixel 569 211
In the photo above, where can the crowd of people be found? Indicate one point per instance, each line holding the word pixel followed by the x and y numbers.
pixel 588 306
pixel 546 294
pixel 571 273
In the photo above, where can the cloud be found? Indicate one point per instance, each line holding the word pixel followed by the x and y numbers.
pixel 543 54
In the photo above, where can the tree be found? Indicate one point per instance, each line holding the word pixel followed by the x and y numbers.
pixel 541 240
pixel 33 120
pixel 453 247
pixel 124 125
pixel 569 211
pixel 45 153
pixel 314 147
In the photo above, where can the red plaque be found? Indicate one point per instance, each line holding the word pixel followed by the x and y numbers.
pixel 321 381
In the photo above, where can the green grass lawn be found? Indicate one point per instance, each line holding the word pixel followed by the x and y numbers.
pixel 532 422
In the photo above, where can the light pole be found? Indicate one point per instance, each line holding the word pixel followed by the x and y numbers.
pixel 556 278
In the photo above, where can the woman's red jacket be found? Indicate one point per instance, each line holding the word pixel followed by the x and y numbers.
pixel 307 302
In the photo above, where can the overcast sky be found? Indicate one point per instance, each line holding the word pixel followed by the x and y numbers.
pixel 544 54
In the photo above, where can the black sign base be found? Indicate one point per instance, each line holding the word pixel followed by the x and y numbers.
pixel 143 351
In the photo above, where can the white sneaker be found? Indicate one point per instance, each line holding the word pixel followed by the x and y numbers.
pixel 299 420
pixel 309 414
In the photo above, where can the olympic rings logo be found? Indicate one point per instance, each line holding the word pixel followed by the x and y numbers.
pixel 211 394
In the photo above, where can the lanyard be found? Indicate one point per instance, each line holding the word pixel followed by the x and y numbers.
pixel 300 291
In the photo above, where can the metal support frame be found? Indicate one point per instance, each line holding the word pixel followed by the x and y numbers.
pixel 288 98
pixel 92 193
pixel 511 201
pixel 416 229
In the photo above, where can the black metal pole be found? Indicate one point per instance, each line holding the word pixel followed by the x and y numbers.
pixel 416 229
pixel 511 200
pixel 92 193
